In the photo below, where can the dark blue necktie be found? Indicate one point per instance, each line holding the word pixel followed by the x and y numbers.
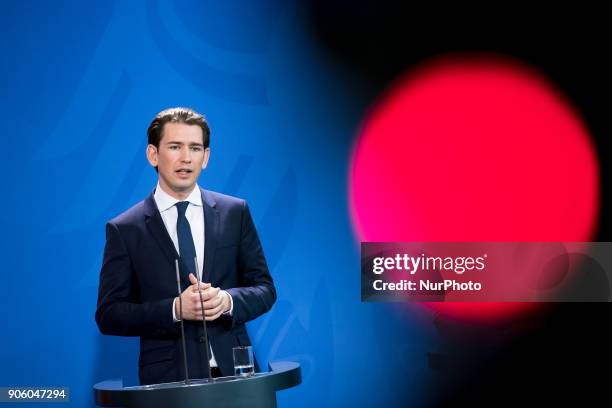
pixel 186 247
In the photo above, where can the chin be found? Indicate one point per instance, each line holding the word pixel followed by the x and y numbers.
pixel 188 186
pixel 184 185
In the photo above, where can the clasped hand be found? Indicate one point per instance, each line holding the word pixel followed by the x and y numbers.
pixel 216 301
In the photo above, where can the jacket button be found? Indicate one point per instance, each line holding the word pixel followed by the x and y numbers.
pixel 202 339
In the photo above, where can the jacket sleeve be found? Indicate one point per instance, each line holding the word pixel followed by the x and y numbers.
pixel 119 311
pixel 257 294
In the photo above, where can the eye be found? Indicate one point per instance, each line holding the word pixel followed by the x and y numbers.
pixel 174 147
pixel 196 148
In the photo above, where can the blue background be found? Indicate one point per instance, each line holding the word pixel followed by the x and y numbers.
pixel 81 82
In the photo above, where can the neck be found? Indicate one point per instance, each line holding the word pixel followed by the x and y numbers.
pixel 179 195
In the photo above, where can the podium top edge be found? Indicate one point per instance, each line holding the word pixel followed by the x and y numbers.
pixel 276 368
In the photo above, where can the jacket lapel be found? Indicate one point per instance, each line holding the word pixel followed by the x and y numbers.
pixel 158 230
pixel 211 232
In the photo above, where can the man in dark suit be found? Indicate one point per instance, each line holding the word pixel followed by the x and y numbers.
pixel 201 229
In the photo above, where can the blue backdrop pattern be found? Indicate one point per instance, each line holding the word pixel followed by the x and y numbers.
pixel 81 82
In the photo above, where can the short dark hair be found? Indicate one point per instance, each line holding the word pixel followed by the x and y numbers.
pixel 177 115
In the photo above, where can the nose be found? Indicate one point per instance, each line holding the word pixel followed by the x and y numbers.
pixel 186 155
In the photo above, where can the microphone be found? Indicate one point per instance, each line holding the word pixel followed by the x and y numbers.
pixel 178 284
pixel 197 269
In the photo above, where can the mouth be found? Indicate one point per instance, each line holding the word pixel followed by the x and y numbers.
pixel 184 172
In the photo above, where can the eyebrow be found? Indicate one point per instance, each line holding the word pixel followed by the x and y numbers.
pixel 181 143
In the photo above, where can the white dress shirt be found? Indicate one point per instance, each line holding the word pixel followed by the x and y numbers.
pixel 166 204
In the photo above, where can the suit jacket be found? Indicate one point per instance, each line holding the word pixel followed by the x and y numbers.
pixel 138 286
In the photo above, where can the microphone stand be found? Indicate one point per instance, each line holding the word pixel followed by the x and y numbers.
pixel 197 269
pixel 178 284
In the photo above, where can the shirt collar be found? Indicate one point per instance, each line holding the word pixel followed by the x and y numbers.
pixel 165 201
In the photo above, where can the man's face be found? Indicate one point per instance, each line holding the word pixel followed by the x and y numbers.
pixel 180 158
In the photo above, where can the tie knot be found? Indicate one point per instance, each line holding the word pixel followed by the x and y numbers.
pixel 181 206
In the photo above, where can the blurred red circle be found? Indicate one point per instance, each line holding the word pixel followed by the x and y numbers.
pixel 474 148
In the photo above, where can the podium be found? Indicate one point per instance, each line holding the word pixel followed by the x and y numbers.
pixel 258 390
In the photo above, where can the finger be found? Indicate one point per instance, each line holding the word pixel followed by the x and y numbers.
pixel 213 311
pixel 190 314
pixel 214 317
pixel 192 279
pixel 211 293
pixel 209 311
pixel 203 287
pixel 212 303
pixel 211 318
pixel 196 304
pixel 196 299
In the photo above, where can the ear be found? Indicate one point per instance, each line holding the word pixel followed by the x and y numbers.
pixel 206 157
pixel 152 155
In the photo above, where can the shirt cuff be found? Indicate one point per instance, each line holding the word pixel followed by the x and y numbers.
pixel 231 309
pixel 173 311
